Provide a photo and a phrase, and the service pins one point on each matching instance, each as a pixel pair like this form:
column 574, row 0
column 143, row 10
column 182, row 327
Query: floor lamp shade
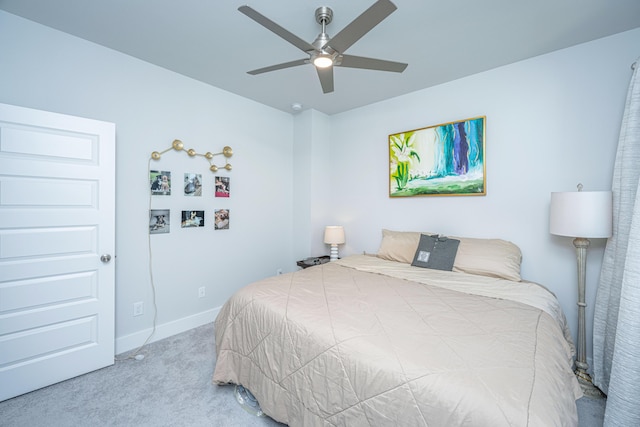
column 581, row 214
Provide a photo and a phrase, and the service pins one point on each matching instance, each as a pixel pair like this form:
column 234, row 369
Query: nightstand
column 310, row 262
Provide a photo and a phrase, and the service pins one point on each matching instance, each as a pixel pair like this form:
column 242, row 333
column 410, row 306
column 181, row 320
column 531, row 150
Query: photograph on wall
column 192, row 219
column 221, row 219
column 442, row 160
column 159, row 221
column 192, row 184
column 160, row 182
column 222, row 186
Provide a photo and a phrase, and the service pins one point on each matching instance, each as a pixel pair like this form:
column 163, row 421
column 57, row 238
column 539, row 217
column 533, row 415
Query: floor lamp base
column 588, row 389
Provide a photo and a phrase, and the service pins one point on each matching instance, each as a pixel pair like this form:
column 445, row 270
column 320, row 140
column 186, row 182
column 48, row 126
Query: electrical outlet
column 201, row 292
column 138, row 308
column 278, row 271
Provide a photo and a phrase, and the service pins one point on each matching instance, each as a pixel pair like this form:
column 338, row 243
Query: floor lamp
column 582, row 215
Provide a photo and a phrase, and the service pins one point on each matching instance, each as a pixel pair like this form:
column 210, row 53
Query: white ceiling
column 210, row 41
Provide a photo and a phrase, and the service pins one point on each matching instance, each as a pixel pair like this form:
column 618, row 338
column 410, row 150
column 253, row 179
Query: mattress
column 369, row 342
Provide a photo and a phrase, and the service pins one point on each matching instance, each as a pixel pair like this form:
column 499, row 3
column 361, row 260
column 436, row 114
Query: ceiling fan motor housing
column 324, row 16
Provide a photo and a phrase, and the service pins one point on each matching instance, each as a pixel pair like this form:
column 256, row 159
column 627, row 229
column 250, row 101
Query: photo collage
column 161, row 185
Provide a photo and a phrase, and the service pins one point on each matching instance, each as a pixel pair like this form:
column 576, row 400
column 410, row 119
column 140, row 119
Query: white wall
column 552, row 121
column 45, row 69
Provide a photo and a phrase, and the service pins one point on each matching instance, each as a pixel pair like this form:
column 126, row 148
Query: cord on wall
column 136, row 354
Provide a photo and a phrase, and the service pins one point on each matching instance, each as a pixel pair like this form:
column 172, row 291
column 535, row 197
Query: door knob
column 105, row 258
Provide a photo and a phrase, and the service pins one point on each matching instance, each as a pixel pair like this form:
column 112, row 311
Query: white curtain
column 616, row 328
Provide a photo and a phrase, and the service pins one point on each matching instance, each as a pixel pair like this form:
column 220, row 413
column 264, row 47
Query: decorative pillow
column 485, row 257
column 488, row 257
column 437, row 252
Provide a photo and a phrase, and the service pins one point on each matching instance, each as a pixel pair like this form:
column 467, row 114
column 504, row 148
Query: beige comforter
column 368, row 342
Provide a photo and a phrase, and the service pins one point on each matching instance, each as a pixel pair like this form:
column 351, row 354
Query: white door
column 57, row 220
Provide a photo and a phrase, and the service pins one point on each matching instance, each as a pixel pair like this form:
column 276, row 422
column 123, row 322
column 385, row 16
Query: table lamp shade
column 334, row 235
column 585, row 214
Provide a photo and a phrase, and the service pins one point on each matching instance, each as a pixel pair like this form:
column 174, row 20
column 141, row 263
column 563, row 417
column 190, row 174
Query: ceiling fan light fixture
column 322, row 61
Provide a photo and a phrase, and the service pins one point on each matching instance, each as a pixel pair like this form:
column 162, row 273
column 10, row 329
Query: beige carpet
column 171, row 386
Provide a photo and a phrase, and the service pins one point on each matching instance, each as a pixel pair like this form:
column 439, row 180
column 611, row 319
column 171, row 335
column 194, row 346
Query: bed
column 372, row 340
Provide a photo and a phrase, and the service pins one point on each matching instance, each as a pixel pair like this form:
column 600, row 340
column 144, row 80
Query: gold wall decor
column 179, row 146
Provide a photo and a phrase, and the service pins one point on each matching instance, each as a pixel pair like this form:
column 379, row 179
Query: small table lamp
column 583, row 215
column 334, row 236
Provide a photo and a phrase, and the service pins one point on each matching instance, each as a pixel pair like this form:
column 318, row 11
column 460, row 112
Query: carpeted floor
column 171, row 386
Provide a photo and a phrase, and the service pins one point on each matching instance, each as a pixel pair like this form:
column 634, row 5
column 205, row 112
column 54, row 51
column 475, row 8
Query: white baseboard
column 135, row 340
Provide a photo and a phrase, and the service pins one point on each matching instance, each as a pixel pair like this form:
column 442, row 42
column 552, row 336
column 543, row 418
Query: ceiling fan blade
column 279, row 66
column 361, row 25
column 326, row 78
column 272, row 26
column 351, row 61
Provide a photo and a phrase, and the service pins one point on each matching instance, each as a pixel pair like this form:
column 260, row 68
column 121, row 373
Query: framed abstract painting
column 442, row 160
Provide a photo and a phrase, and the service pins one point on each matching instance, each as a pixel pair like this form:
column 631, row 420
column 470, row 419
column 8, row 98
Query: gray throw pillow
column 437, row 252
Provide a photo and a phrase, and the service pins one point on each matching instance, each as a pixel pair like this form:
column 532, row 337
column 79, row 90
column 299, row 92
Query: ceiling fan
column 327, row 52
